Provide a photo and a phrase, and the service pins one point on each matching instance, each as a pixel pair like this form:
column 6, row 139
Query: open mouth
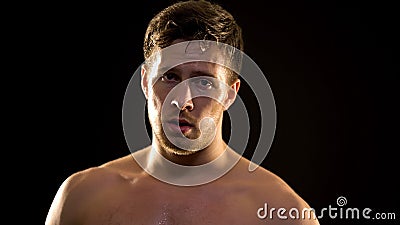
column 184, row 126
column 184, row 123
column 181, row 125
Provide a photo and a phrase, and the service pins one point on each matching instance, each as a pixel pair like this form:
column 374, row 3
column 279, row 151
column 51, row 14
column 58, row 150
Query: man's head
column 173, row 104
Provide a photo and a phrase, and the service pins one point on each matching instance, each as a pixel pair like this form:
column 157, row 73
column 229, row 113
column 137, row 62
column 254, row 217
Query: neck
column 203, row 167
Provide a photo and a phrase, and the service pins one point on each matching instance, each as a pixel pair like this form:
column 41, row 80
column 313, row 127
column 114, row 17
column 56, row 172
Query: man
column 188, row 175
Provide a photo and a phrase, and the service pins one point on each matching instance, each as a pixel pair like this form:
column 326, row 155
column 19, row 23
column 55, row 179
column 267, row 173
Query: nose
column 183, row 98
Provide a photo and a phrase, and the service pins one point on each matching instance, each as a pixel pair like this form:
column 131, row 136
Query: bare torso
column 145, row 200
column 120, row 192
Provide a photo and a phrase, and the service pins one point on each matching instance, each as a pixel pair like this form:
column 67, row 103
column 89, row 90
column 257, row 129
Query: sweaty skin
column 121, row 192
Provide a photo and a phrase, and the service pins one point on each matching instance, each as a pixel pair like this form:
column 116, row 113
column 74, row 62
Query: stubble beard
column 167, row 146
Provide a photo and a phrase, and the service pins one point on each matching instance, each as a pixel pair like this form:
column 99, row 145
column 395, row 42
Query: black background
column 331, row 67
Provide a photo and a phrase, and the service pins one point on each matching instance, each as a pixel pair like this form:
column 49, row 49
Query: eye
column 204, row 83
column 170, row 77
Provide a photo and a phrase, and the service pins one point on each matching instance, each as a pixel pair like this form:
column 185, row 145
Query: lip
column 181, row 125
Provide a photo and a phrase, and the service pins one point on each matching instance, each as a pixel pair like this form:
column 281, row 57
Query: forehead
column 198, row 68
column 195, row 54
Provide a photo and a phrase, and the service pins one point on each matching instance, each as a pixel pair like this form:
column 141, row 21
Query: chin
column 190, row 148
column 181, row 152
column 171, row 148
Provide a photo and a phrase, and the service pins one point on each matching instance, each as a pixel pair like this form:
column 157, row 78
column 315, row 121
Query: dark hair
column 192, row 20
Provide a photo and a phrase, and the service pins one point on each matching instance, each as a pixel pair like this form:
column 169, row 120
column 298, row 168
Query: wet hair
column 192, row 20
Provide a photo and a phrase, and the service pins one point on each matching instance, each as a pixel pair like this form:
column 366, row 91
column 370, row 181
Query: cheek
column 210, row 107
column 217, row 110
column 155, row 102
column 154, row 107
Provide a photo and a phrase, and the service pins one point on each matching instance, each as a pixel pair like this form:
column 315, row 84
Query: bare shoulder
column 267, row 184
column 269, row 192
column 80, row 190
column 109, row 173
column 280, row 190
column 103, row 176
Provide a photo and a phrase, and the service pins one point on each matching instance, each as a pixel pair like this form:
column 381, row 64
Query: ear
column 231, row 94
column 144, row 81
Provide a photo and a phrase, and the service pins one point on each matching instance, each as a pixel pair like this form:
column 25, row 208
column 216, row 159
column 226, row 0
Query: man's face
column 182, row 98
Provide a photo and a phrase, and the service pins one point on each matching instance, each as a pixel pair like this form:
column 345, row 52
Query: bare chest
column 172, row 208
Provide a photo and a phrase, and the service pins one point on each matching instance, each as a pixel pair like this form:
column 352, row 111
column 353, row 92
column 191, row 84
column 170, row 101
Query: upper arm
column 66, row 205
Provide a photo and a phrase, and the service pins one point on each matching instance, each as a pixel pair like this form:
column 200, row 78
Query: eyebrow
column 202, row 73
column 196, row 73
